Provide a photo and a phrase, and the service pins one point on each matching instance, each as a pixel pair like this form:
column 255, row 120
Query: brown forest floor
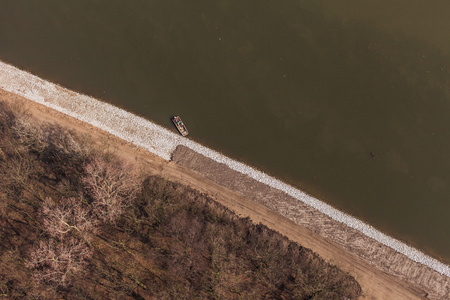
column 375, row 284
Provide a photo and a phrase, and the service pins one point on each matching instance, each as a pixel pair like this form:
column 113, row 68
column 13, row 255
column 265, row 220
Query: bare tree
column 28, row 135
column 57, row 262
column 113, row 186
column 65, row 255
column 19, row 174
column 67, row 216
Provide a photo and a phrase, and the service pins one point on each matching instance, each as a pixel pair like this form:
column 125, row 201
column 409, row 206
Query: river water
column 347, row 100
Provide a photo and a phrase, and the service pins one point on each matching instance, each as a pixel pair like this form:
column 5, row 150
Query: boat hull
column 180, row 125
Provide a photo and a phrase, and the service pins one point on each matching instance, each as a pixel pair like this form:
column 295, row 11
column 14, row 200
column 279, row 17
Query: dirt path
column 375, row 283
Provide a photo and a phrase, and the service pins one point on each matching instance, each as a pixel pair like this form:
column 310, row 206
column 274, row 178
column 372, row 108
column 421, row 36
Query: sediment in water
column 163, row 143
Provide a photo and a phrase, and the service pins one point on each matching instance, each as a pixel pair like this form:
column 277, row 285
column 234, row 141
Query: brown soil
column 381, row 272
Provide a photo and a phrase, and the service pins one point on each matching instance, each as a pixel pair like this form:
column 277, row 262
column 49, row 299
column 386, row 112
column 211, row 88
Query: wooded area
column 77, row 223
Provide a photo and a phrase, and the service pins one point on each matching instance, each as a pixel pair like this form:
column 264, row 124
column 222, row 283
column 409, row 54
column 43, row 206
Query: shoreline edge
column 162, row 142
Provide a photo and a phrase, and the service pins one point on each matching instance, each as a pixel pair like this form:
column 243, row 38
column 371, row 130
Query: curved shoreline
column 163, row 143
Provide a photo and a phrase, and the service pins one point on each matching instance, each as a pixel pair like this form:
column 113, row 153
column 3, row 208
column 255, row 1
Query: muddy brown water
column 347, row 100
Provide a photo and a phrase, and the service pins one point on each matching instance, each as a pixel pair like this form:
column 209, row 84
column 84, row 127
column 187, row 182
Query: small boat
column 180, row 125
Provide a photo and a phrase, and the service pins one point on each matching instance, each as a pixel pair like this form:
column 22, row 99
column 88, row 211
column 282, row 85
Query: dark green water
column 304, row 90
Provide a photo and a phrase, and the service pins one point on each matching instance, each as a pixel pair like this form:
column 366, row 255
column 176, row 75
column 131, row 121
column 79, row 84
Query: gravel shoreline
column 163, row 143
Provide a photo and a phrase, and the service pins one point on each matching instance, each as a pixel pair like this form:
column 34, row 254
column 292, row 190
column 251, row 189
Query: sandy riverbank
column 345, row 246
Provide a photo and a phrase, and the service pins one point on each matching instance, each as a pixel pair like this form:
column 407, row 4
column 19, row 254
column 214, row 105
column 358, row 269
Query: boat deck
column 180, row 125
